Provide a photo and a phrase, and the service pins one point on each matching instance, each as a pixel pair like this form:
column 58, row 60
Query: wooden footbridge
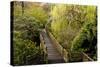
column 55, row 53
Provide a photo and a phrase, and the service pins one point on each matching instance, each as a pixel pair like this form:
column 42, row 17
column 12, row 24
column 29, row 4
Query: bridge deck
column 53, row 54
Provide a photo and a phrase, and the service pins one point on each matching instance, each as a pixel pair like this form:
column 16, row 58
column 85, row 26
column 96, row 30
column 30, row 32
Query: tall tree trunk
column 22, row 7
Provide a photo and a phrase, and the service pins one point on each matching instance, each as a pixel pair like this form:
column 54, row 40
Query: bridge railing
column 86, row 57
column 43, row 48
column 78, row 57
column 65, row 54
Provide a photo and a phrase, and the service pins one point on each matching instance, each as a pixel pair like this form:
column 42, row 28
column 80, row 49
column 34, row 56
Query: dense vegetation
column 27, row 23
column 73, row 26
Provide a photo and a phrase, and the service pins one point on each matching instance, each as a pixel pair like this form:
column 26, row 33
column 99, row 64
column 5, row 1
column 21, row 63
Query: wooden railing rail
column 86, row 57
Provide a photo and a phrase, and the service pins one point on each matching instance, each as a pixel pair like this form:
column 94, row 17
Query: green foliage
column 26, row 42
column 86, row 40
column 32, row 10
column 38, row 13
column 59, row 23
column 25, row 51
column 88, row 33
column 75, row 27
column 29, row 27
column 26, row 39
column 67, row 21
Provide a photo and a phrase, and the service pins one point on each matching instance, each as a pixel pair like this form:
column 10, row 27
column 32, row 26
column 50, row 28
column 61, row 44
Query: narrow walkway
column 53, row 54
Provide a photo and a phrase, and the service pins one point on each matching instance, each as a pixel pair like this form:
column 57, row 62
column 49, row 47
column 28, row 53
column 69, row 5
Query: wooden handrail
column 85, row 55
